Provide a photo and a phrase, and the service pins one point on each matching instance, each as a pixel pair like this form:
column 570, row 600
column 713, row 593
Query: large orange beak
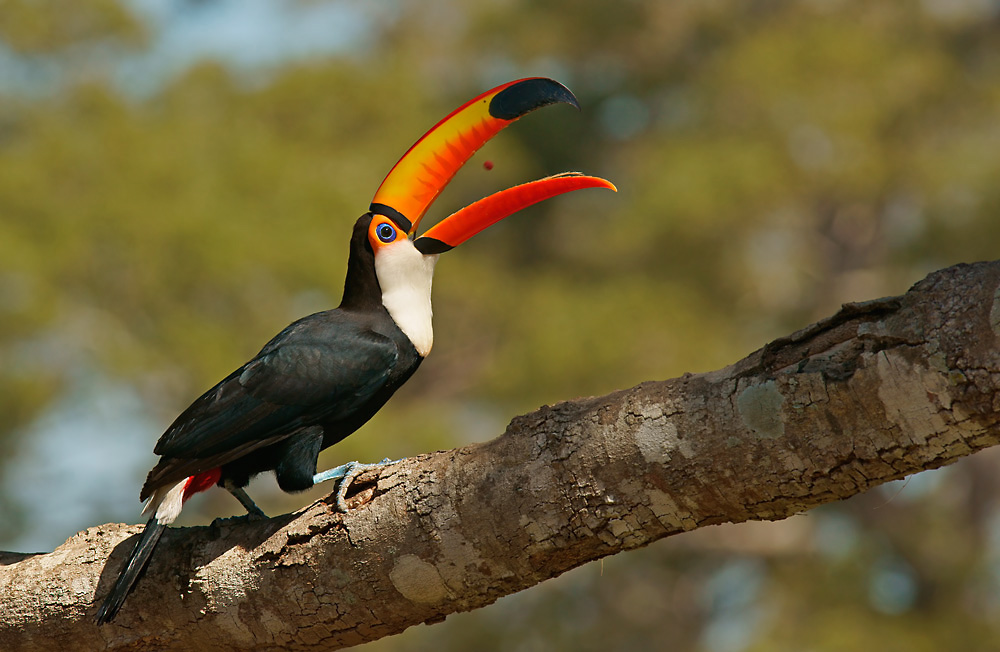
column 462, row 225
column 426, row 168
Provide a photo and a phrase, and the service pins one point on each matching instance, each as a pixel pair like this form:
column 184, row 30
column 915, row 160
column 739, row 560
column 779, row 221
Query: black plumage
column 314, row 383
column 326, row 375
column 334, row 369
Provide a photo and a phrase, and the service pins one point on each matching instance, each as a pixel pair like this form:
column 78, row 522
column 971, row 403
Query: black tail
column 137, row 562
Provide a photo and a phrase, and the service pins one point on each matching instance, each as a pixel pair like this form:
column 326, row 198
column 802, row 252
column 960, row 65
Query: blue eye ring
column 385, row 232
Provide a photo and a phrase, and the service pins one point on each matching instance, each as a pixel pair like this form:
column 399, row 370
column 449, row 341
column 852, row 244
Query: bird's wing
column 295, row 381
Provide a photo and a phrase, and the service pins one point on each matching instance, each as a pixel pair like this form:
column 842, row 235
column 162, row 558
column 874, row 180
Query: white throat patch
column 405, row 275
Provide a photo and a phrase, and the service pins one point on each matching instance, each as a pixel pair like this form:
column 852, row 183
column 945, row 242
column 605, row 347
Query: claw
column 346, row 473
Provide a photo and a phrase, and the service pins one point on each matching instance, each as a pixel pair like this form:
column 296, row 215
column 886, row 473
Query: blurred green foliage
column 774, row 160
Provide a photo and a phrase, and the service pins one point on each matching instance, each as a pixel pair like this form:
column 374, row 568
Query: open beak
column 430, row 164
column 462, row 225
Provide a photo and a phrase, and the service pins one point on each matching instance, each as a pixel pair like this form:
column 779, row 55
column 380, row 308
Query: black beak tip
column 514, row 101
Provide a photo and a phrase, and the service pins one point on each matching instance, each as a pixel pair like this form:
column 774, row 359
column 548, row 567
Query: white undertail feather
column 405, row 276
column 166, row 502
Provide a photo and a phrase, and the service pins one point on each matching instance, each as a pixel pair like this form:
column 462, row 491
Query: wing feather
column 303, row 376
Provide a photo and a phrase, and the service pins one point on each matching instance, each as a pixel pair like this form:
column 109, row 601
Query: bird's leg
column 253, row 512
column 346, row 473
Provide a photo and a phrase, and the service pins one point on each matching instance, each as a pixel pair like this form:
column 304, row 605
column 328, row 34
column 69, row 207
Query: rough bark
column 878, row 391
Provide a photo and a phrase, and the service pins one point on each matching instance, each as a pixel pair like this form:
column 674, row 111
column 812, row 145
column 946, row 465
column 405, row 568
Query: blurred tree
column 30, row 27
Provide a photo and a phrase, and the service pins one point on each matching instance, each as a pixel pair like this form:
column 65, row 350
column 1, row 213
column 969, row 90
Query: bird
column 326, row 374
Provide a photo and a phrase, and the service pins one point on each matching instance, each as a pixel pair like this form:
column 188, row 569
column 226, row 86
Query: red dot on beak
column 487, row 165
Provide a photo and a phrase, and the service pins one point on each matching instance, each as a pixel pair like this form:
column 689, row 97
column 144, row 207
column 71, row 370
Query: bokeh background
column 178, row 180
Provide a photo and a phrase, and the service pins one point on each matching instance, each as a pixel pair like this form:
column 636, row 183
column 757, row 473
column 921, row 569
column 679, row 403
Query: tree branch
column 880, row 390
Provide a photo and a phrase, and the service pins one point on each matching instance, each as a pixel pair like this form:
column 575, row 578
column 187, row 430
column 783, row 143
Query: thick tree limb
column 880, row 390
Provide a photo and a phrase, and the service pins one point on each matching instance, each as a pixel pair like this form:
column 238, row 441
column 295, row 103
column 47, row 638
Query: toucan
column 325, row 375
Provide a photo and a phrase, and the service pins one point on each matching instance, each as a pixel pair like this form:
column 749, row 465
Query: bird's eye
column 385, row 232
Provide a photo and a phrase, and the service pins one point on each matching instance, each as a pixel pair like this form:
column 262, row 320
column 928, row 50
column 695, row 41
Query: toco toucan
column 325, row 375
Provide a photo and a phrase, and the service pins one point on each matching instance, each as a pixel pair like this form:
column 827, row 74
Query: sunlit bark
column 878, row 391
